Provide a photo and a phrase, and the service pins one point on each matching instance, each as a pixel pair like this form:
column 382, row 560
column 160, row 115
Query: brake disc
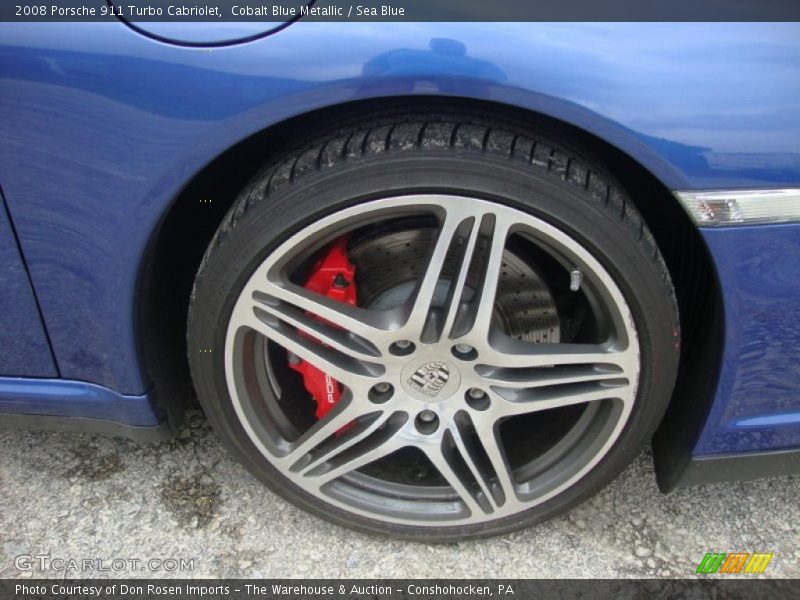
column 388, row 265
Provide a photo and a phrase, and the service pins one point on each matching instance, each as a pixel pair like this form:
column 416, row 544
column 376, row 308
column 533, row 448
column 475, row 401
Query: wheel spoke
column 335, row 337
column 483, row 479
column 482, row 309
column 480, row 450
column 509, row 353
column 370, row 443
column 420, row 312
column 509, row 402
column 342, row 367
column 347, row 410
column 488, row 437
column 534, row 377
column 343, row 438
column 456, row 293
column 450, row 463
column 362, row 323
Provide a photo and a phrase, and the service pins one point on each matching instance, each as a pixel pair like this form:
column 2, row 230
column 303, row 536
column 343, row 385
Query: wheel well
column 178, row 244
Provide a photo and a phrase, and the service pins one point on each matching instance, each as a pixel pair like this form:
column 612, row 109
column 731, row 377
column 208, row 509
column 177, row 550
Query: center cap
column 430, row 379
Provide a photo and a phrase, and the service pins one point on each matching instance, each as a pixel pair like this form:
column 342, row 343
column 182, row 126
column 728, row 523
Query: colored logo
column 430, row 378
column 734, row 562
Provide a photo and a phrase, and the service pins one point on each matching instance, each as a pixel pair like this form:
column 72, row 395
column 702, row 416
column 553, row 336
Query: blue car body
column 103, row 128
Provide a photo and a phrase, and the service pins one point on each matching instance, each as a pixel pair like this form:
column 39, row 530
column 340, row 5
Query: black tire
column 512, row 163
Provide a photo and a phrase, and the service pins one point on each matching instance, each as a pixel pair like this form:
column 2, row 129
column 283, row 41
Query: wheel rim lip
column 330, row 226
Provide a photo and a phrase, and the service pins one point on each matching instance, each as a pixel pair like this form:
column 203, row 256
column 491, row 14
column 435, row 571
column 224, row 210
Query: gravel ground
column 80, row 496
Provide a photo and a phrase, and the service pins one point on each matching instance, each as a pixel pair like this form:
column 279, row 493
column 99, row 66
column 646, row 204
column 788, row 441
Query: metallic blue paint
column 24, row 350
column 788, row 418
column 64, row 398
column 102, row 128
column 757, row 404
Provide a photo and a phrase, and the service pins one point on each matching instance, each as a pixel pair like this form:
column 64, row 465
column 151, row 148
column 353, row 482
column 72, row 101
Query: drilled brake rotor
column 388, row 265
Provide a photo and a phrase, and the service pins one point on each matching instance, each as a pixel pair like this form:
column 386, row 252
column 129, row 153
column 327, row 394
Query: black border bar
column 733, row 588
column 277, row 11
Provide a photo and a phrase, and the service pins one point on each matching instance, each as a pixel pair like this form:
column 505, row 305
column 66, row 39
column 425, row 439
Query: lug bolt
column 427, row 422
column 464, row 351
column 380, row 392
column 402, row 348
column 477, row 398
column 427, row 416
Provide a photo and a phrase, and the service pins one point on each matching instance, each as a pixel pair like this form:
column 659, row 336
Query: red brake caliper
column 332, row 276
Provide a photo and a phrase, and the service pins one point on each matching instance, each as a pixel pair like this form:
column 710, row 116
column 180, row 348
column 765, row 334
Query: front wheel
column 437, row 328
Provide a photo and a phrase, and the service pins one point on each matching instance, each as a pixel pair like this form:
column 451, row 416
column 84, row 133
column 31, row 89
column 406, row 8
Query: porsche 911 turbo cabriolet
column 431, row 280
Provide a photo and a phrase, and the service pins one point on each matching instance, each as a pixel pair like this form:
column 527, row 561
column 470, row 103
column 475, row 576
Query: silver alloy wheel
column 443, row 402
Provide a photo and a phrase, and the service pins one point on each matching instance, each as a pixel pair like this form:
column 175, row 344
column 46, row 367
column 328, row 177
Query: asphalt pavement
column 188, row 506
